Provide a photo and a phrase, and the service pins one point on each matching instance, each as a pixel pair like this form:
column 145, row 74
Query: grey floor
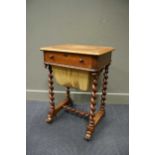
column 65, row 135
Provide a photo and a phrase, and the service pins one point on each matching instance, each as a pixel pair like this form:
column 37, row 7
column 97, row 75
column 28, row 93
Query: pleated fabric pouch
column 72, row 78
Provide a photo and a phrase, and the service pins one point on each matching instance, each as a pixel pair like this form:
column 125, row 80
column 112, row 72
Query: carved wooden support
column 76, row 111
column 60, row 105
column 68, row 93
column 94, row 118
column 98, row 116
column 51, row 95
column 68, row 96
column 104, row 88
column 91, row 124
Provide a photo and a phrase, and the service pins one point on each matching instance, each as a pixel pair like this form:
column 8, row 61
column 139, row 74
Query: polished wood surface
column 58, row 108
column 79, row 49
column 91, row 125
column 98, row 116
column 51, row 112
column 104, row 87
column 76, row 111
column 94, row 59
column 68, row 60
column 77, row 61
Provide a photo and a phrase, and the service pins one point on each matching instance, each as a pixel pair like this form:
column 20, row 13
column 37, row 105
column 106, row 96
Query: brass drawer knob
column 81, row 60
column 51, row 56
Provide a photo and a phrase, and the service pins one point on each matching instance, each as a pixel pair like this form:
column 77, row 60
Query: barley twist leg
column 51, row 96
column 91, row 124
column 104, row 87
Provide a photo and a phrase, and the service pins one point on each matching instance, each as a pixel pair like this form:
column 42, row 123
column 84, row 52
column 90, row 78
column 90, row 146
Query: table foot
column 49, row 119
column 58, row 107
column 88, row 137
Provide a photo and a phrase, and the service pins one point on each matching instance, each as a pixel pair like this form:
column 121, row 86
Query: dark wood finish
column 51, row 96
column 104, row 88
column 76, row 111
column 61, row 105
column 68, row 96
column 77, row 61
column 103, row 60
column 98, row 116
column 91, row 124
column 68, row 93
column 58, row 107
column 88, row 58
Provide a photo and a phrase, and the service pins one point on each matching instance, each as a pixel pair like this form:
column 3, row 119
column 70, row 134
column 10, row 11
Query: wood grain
column 78, row 49
column 77, row 61
column 60, row 105
column 98, row 116
column 51, row 112
column 80, row 58
column 104, row 87
column 76, row 111
column 91, row 125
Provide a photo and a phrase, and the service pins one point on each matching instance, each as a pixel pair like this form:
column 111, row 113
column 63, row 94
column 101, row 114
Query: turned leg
column 104, row 88
column 51, row 112
column 68, row 96
column 68, row 93
column 91, row 124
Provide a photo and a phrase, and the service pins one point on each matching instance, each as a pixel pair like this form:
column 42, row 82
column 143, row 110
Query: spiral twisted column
column 51, row 95
column 68, row 92
column 91, row 124
column 68, row 96
column 76, row 111
column 104, row 87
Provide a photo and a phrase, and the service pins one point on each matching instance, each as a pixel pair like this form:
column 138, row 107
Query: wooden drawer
column 77, row 61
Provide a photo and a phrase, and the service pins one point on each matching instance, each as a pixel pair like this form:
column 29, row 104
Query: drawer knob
column 51, row 56
column 81, row 60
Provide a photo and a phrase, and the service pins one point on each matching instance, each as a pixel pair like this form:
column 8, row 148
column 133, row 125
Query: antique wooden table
column 79, row 58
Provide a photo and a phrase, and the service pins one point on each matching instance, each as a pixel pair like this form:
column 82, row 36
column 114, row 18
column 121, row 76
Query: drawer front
column 72, row 60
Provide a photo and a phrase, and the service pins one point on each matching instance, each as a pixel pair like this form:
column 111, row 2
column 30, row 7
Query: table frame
column 67, row 104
